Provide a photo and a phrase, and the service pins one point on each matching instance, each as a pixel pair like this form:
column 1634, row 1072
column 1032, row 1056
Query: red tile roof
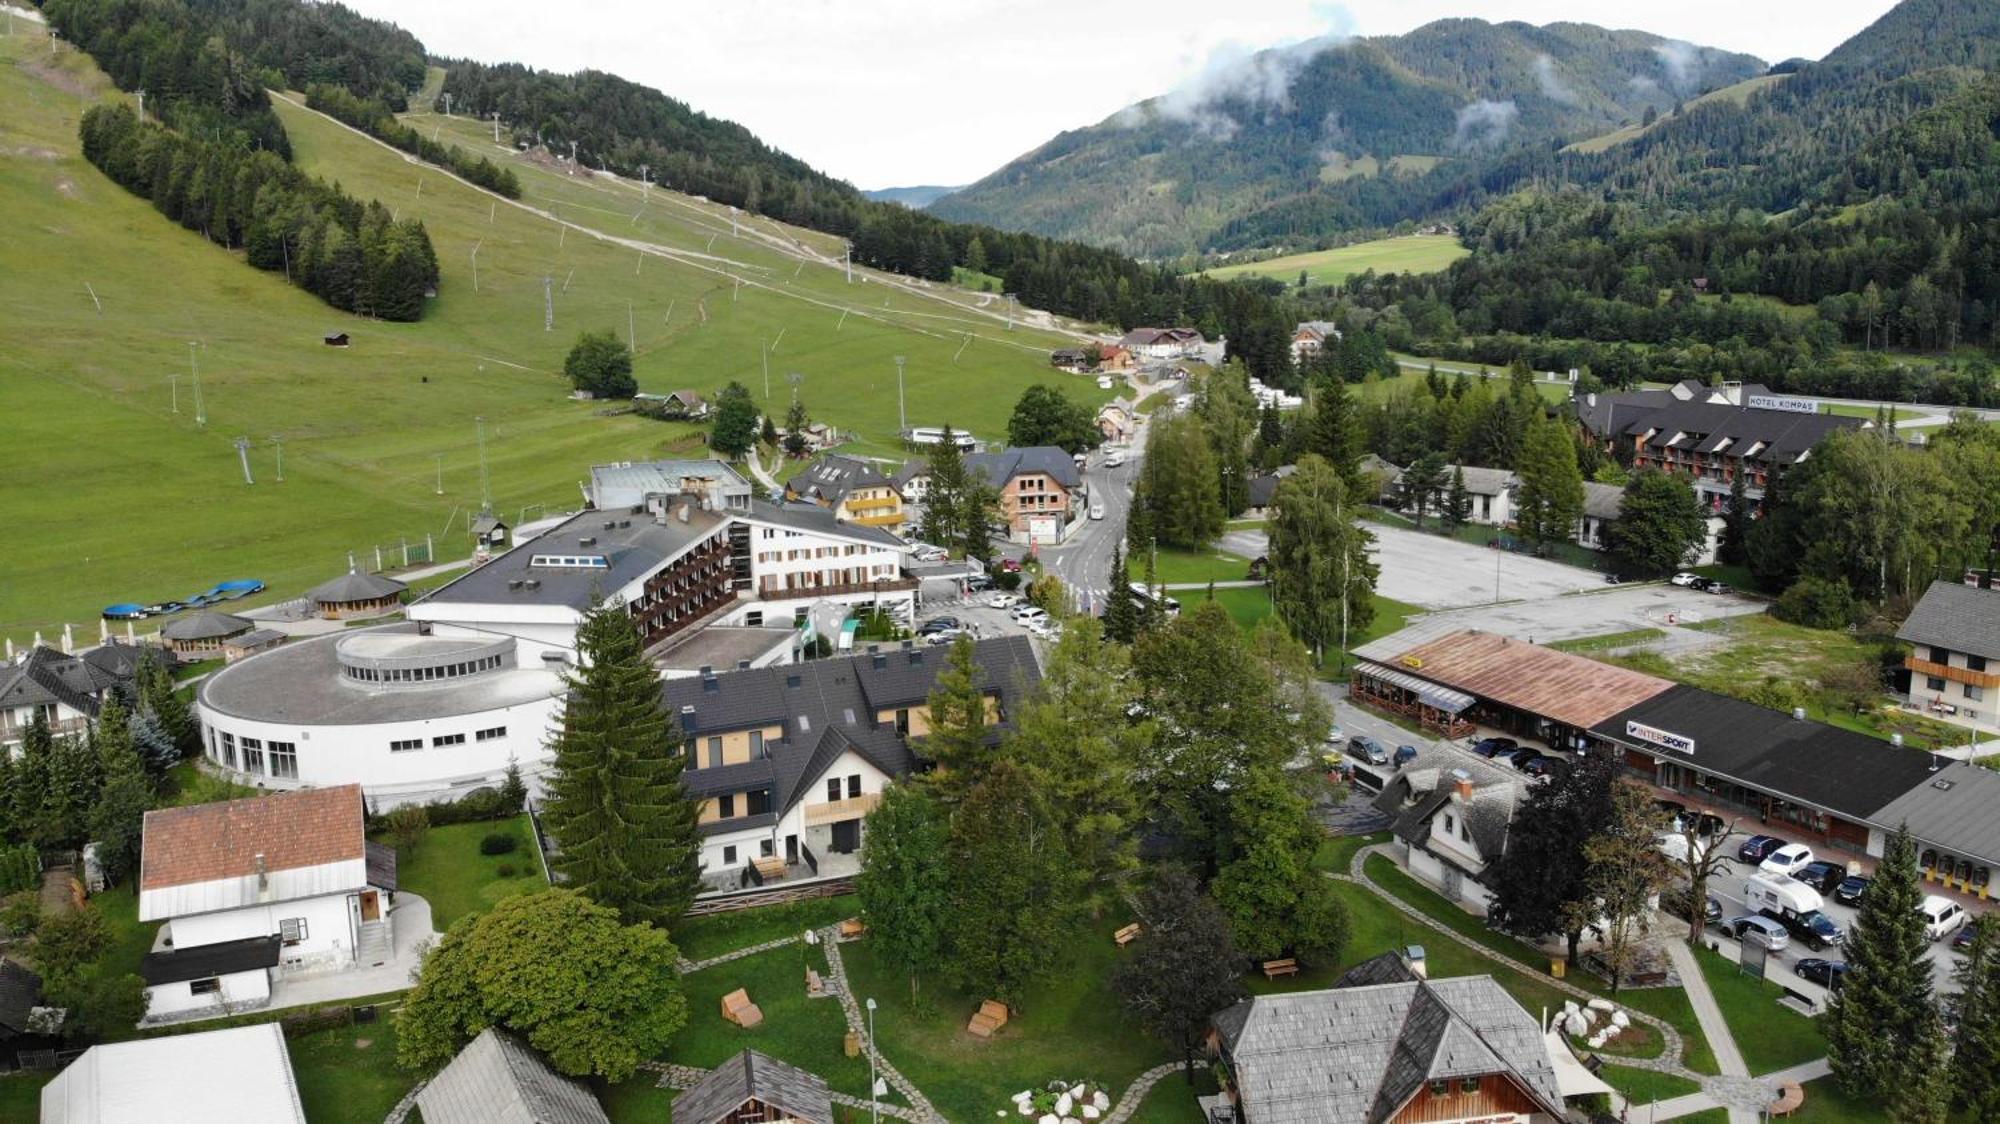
column 1571, row 689
column 206, row 842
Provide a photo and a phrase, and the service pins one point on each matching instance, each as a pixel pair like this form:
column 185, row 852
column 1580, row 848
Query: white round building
column 409, row 717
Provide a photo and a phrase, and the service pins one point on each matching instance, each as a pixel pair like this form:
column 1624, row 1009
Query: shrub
column 1008, row 580
column 504, row 870
column 499, row 843
column 407, row 825
column 1818, row 603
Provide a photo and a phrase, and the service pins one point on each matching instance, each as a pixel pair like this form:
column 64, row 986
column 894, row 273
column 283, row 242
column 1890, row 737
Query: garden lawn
column 447, row 870
column 1190, row 567
column 1390, row 616
column 1671, row 1006
column 1336, row 854
column 700, row 938
column 1246, row 606
column 1608, row 640
column 1172, row 1100
column 636, row 1100
column 809, row 1033
column 1643, row 1086
column 21, row 1095
column 1826, row 1103
column 1771, row 1037
column 188, row 784
column 348, row 1075
column 1072, row 1027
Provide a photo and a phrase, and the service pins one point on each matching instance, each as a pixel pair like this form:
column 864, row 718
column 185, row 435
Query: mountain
column 1168, row 175
column 917, row 197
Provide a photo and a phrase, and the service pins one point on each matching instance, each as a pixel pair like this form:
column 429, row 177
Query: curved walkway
column 1135, row 1093
column 921, row 1107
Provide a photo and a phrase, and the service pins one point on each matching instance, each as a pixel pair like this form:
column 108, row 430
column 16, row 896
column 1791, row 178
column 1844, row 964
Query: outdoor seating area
column 991, row 1017
column 1126, row 935
column 1275, row 968
column 1791, row 1098
column 737, row 1008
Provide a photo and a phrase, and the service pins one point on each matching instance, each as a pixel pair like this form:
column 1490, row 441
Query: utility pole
column 447, row 105
column 174, row 389
column 548, row 303
column 278, row 439
column 572, row 158
column 243, row 454
column 848, row 257
column 645, row 185
column 485, row 492
column 902, row 415
column 200, row 414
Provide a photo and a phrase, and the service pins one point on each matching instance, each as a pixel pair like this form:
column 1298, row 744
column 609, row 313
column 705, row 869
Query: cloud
column 1684, row 64
column 1234, row 74
column 1643, row 84
column 1484, row 123
column 1553, row 87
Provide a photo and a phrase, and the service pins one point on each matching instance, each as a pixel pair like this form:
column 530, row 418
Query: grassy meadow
column 130, row 500
column 1409, row 253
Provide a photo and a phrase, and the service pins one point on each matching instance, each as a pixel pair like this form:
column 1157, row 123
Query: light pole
column 902, row 415
column 874, row 1104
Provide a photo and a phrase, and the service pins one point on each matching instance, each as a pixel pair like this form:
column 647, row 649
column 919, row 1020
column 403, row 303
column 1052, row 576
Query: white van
column 1780, row 892
column 1942, row 916
column 1114, row 459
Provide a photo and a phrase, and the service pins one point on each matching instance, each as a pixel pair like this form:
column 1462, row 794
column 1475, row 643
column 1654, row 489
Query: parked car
column 1829, row 974
column 1813, row 927
column 1011, row 565
column 1822, row 875
column 1684, row 578
column 979, row 583
column 1404, row 755
column 1716, row 587
column 1613, row 579
column 925, row 552
column 938, row 624
column 1758, row 930
column 1097, row 511
column 1114, row 459
column 1023, row 613
column 1702, row 585
column 1757, row 848
column 1850, row 890
column 1674, row 901
column 1788, row 859
column 1518, row 758
column 1942, row 916
column 1543, row 766
column 1369, row 750
column 1963, row 940
column 1492, row 747
column 942, row 636
column 1002, row 601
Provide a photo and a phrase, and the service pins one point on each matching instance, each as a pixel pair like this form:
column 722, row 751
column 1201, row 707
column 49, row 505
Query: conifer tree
column 1015, row 892
column 957, row 738
column 1550, row 499
column 905, row 882
column 1121, row 612
column 1976, row 1066
column 158, row 698
column 116, row 819
column 944, row 497
column 1886, row 996
column 1335, row 432
column 621, row 816
column 1457, row 506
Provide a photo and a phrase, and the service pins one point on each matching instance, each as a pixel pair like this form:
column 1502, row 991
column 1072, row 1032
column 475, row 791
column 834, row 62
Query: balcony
column 1951, row 674
column 852, row 808
column 808, row 593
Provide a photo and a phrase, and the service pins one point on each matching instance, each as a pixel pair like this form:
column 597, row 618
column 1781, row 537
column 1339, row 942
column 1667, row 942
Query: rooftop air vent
column 916, row 657
column 707, row 671
column 611, row 524
column 532, row 583
column 515, row 583
column 879, row 660
column 587, row 540
column 743, row 665
column 1943, row 786
column 792, row 681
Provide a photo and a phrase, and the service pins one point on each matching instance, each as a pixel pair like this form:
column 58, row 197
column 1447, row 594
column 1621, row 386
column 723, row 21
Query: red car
column 1011, row 565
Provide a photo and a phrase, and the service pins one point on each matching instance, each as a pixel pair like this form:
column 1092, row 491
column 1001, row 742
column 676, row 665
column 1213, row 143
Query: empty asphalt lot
column 1440, row 573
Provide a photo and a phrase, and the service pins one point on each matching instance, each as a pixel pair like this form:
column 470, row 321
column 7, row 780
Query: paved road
column 1084, row 562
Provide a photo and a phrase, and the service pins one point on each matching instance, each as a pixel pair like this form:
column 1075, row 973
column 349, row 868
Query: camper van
column 1779, row 892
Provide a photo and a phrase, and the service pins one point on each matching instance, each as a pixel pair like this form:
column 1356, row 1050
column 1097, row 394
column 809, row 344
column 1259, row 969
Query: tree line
column 354, row 256
column 374, row 117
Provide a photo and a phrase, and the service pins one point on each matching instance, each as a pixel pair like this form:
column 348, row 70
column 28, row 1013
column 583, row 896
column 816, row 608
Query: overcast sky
column 896, row 92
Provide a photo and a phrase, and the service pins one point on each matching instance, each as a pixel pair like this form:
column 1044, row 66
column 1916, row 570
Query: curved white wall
column 360, row 754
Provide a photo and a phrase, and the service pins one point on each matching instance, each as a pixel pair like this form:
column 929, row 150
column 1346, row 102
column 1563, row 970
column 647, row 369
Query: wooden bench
column 1275, row 968
column 737, row 1008
column 815, row 987
column 992, row 1015
column 770, row 867
column 1791, row 1097
column 852, row 928
column 1126, row 935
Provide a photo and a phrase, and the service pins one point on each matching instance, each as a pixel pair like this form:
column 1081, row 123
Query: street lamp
column 874, row 1104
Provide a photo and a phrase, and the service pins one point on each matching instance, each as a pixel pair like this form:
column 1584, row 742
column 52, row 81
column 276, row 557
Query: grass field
column 1771, row 1037
column 1644, row 1086
column 699, row 938
column 1738, row 94
column 448, row 871
column 348, row 1075
column 153, row 506
column 1409, row 253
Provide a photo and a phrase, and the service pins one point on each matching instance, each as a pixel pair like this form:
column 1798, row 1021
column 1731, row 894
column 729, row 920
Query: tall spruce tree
column 944, row 497
column 1015, row 892
column 1886, row 997
column 957, row 742
column 1121, row 612
column 1734, row 548
column 1335, row 432
column 1456, row 506
column 1976, row 1067
column 116, row 819
column 621, row 816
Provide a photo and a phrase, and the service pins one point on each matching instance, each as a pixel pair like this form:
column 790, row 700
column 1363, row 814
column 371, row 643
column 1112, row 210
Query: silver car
column 1751, row 929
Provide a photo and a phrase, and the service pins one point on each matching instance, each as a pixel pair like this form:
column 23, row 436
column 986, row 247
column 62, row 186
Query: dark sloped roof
column 817, row 520
column 1962, row 618
column 800, row 1094
column 202, row 961
column 206, row 625
column 381, row 862
column 118, row 661
column 999, row 468
column 632, row 547
column 1779, row 436
column 826, row 707
column 499, row 1079
column 1802, row 760
column 43, row 676
column 1602, row 501
column 20, row 994
column 354, row 586
column 1953, row 809
column 1382, row 968
column 832, row 476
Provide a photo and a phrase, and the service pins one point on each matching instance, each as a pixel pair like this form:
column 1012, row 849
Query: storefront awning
column 1442, row 698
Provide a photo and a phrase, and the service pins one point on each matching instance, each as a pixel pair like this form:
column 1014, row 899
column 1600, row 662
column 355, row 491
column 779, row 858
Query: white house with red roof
column 251, row 889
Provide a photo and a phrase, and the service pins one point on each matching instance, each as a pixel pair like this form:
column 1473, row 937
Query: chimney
column 1461, row 784
column 877, row 659
column 1418, row 966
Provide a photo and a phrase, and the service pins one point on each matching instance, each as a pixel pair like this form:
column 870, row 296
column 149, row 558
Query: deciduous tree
column 1541, row 882
column 616, row 805
column 735, row 427
column 1184, row 967
column 596, row 996
column 1044, row 415
column 600, row 363
column 796, row 423
column 1322, row 578
column 905, row 882
column 1626, row 871
column 1275, row 901
column 1661, row 526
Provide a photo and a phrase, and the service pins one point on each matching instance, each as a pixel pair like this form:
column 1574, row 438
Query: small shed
column 754, row 1086
column 355, row 594
column 499, row 1079
column 335, row 339
column 489, row 530
column 201, row 635
column 251, row 643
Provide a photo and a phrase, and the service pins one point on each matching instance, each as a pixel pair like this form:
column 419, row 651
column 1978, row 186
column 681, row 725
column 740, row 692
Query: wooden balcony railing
column 1952, row 674
column 834, row 811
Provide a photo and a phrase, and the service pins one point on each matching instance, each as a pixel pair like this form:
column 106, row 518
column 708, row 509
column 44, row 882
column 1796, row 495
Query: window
column 729, row 856
column 1450, row 824
column 1974, row 693
column 754, row 620
column 209, row 986
column 1940, row 655
column 405, row 745
column 1975, row 663
column 726, row 806
column 693, row 754
column 1464, row 831
column 1468, row 1085
column 854, row 786
column 833, row 788
column 292, row 930
column 757, row 751
column 757, row 802
column 253, row 755
column 1931, row 681
column 1440, row 1088
column 448, row 739
column 714, row 752
column 284, row 760
column 903, row 722
column 491, row 734
column 229, row 750
column 766, row 848
column 213, row 752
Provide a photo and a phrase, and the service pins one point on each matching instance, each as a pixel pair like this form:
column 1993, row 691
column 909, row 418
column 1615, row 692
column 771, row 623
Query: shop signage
column 1781, row 402
column 1665, row 739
